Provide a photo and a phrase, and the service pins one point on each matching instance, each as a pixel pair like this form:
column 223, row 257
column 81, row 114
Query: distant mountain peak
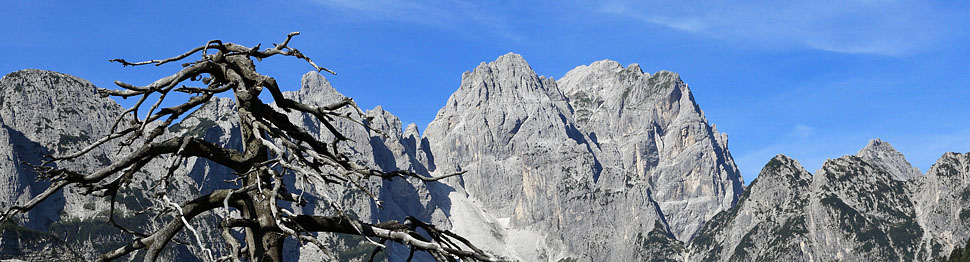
column 316, row 89
column 877, row 145
column 786, row 169
column 882, row 154
column 511, row 58
column 606, row 64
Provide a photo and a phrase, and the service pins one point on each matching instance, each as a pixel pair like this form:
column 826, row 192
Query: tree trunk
column 265, row 243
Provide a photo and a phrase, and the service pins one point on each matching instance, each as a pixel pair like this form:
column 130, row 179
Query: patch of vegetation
column 68, row 110
column 197, row 130
column 794, row 226
column 354, row 248
column 705, row 237
column 658, row 245
column 965, row 215
column 103, row 159
column 17, row 242
column 959, row 254
column 747, row 243
column 99, row 230
column 66, row 141
column 96, row 230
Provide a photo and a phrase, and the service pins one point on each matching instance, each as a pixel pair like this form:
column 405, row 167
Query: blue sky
column 811, row 80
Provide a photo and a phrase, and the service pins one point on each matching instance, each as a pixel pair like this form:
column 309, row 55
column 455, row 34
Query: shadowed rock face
column 872, row 206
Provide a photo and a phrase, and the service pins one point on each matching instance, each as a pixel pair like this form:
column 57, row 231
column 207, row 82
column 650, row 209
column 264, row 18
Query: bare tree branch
column 273, row 148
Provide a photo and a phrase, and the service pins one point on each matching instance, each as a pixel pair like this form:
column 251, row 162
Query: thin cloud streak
column 889, row 28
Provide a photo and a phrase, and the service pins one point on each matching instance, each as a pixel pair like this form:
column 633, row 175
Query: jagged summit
column 602, row 65
column 54, row 109
column 647, row 126
column 767, row 224
column 412, row 131
column 608, row 66
column 785, row 162
column 498, row 104
column 316, row 88
column 883, row 154
column 853, row 209
column 510, row 59
column 604, row 143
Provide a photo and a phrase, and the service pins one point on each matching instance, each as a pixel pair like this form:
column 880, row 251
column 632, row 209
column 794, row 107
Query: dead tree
column 273, row 148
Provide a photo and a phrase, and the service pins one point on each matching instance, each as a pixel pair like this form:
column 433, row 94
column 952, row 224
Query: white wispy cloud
column 892, row 28
column 801, row 131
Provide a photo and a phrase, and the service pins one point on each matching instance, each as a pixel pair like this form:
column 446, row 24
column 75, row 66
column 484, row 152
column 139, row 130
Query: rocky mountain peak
column 951, row 164
column 52, row 108
column 768, row 220
column 510, row 60
column 501, row 111
column 782, row 167
column 315, row 88
column 384, row 121
column 411, row 131
column 604, row 65
column 508, row 77
column 782, row 180
column 882, row 154
column 644, row 124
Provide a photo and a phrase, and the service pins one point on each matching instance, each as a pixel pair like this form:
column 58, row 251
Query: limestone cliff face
column 527, row 162
column 20, row 182
column 47, row 113
column 60, row 114
column 650, row 130
column 514, row 130
column 591, row 163
column 942, row 199
column 871, row 206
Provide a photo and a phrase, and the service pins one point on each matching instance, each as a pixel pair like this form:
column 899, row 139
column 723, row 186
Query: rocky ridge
column 527, row 118
column 858, row 207
column 607, row 163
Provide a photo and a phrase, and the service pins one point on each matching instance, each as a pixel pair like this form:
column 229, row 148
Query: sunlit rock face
column 591, row 163
column 650, row 130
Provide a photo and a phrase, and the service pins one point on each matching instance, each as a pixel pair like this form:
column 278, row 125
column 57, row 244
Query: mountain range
column 607, row 163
